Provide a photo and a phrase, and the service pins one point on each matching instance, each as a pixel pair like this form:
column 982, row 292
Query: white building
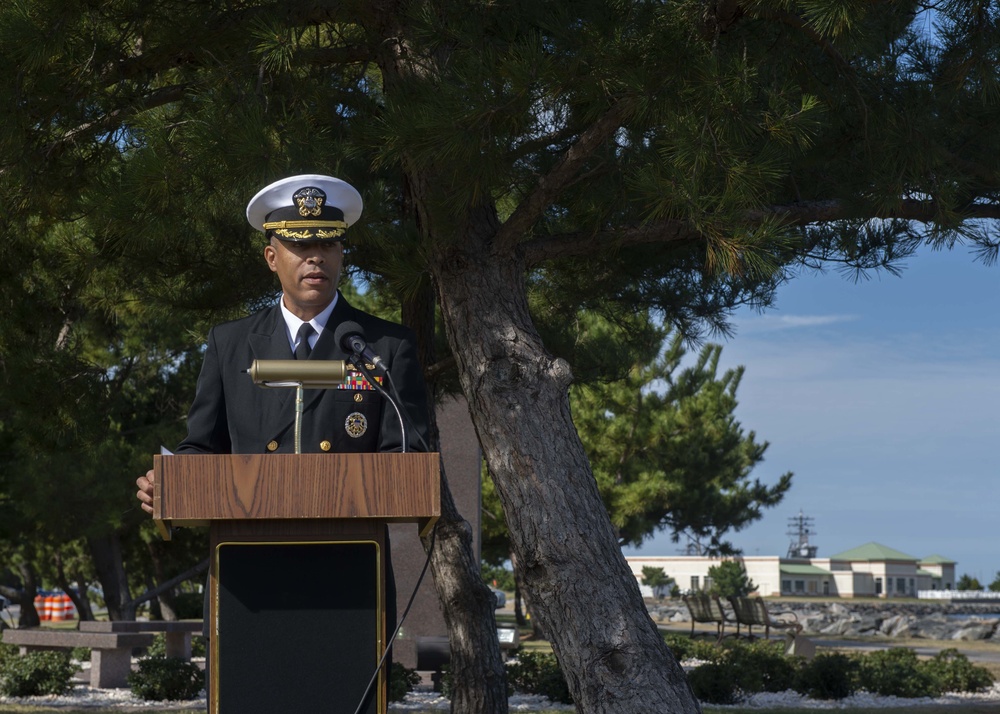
column 870, row 570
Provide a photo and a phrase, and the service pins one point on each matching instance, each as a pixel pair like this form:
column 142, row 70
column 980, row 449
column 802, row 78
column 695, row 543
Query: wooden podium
column 297, row 592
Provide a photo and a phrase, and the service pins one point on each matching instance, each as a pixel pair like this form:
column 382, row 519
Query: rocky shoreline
column 932, row 621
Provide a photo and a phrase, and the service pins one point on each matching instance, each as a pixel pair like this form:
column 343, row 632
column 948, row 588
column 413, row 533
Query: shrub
column 760, row 665
column 685, row 647
column 537, row 673
column 953, row 672
column 35, row 674
column 6, row 651
column 159, row 646
column 830, row 675
column 401, row 681
column 896, row 672
column 715, row 683
column 165, row 678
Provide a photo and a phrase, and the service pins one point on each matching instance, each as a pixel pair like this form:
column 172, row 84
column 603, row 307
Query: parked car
column 4, row 603
column 501, row 597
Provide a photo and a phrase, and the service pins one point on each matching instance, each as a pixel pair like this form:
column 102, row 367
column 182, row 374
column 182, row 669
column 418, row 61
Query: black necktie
column 303, row 349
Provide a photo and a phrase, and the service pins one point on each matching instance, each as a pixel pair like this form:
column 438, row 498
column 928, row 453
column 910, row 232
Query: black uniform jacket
column 231, row 414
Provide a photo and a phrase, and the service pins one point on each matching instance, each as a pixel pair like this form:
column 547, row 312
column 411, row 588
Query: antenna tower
column 799, row 529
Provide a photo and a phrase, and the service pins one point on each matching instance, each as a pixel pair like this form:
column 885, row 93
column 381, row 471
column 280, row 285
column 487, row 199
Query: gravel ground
column 83, row 697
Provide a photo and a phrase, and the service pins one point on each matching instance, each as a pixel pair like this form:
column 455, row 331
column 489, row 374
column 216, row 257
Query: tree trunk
column 29, row 615
column 573, row 570
column 164, row 601
column 107, row 554
column 479, row 681
column 78, row 596
column 476, row 667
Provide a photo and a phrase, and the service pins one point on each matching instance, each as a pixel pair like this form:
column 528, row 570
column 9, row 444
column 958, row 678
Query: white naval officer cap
column 307, row 208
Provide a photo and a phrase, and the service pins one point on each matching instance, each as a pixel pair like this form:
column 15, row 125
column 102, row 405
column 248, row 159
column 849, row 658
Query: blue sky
column 881, row 396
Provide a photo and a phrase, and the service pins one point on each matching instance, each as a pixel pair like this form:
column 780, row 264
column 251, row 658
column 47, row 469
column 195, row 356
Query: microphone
column 351, row 336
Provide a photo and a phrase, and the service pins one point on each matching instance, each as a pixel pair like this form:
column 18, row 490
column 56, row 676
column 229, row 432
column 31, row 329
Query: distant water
column 977, row 616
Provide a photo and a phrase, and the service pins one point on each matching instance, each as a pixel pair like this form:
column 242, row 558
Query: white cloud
column 774, row 323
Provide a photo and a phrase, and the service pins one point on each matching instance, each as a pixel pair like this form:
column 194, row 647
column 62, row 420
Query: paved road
column 988, row 654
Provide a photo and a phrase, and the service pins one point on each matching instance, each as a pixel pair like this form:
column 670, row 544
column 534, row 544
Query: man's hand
column 145, row 493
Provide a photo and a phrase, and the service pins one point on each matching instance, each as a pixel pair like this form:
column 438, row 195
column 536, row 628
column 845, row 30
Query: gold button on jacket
column 272, row 445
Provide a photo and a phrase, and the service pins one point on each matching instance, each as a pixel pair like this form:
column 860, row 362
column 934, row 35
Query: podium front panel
column 298, row 627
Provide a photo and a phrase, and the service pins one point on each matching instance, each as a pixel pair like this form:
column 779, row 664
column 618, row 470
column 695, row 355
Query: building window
column 786, row 586
column 694, row 583
column 901, row 586
column 878, row 586
column 800, row 586
column 826, row 587
column 913, row 587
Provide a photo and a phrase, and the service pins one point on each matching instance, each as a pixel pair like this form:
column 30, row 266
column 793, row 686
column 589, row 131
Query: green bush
column 685, row 647
column 166, row 678
column 953, row 672
column 6, row 651
column 401, row 681
column 760, row 665
column 896, row 672
column 830, row 675
column 537, row 673
column 159, row 646
column 35, row 674
column 715, row 683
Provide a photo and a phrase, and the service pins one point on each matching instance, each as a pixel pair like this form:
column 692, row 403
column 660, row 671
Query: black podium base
column 298, row 627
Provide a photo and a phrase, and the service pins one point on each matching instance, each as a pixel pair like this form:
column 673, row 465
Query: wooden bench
column 110, row 652
column 752, row 611
column 110, row 643
column 708, row 608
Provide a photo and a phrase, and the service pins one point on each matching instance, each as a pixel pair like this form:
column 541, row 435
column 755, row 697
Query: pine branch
column 565, row 171
column 156, row 98
column 569, row 245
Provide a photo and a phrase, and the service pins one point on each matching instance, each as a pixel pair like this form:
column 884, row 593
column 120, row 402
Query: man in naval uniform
column 304, row 219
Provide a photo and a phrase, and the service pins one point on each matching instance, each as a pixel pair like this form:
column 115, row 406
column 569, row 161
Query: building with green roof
column 869, row 570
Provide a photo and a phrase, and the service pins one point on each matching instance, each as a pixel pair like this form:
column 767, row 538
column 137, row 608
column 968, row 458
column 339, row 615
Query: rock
column 975, row 630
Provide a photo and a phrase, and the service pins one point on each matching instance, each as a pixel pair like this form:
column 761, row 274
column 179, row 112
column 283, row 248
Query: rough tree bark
column 579, row 583
column 476, row 666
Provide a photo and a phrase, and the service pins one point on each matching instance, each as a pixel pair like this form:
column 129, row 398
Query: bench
column 110, row 652
column 751, row 611
column 110, row 643
column 708, row 608
column 178, row 633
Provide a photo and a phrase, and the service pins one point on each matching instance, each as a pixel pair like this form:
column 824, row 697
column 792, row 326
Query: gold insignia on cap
column 325, row 445
column 272, row 445
column 356, row 425
column 309, row 201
